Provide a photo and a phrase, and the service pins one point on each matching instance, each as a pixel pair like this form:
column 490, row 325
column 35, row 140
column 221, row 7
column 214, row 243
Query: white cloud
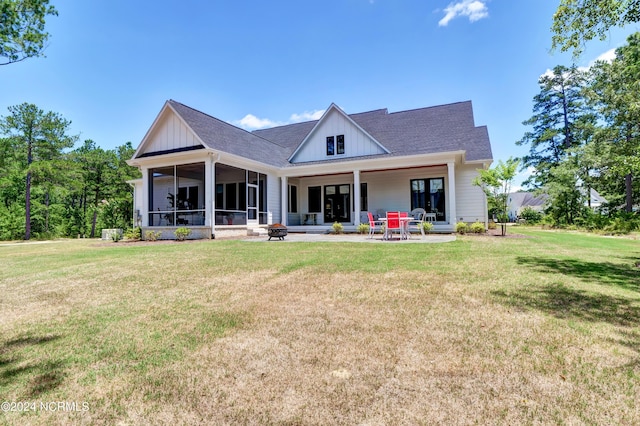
column 306, row 116
column 473, row 9
column 251, row 122
column 607, row 56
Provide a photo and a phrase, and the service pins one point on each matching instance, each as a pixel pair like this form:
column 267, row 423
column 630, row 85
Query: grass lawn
column 483, row 330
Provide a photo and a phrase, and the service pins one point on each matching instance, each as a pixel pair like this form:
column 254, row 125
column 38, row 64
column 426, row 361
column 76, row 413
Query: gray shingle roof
column 224, row 137
column 429, row 130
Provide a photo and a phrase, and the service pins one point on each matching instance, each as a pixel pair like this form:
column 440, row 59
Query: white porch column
column 145, row 196
column 356, row 197
column 284, row 200
column 210, row 190
column 453, row 218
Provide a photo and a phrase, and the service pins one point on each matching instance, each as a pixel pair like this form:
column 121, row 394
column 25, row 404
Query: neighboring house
column 211, row 176
column 519, row 200
column 597, row 200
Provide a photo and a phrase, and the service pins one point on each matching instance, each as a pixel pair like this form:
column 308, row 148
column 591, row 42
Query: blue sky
column 111, row 65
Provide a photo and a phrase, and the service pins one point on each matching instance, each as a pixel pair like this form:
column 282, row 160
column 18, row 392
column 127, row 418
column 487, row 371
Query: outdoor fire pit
column 277, row 230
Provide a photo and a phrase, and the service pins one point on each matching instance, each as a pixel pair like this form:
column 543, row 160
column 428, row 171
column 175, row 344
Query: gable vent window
column 340, row 144
column 331, row 147
column 335, row 145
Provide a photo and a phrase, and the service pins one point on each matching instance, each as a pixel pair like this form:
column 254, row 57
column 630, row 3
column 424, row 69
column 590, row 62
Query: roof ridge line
column 431, row 107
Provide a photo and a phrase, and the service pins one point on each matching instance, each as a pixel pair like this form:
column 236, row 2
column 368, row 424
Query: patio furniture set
column 400, row 222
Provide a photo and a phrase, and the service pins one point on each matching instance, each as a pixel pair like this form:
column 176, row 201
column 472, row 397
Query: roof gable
column 220, row 136
column 168, row 133
column 333, row 123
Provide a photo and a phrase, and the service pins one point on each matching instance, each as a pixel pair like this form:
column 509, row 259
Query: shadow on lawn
column 40, row 375
column 565, row 302
column 605, row 273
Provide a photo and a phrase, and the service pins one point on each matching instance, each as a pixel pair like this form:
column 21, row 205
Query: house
column 215, row 178
column 521, row 199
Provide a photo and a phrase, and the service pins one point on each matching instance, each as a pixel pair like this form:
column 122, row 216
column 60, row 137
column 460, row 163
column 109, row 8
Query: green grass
column 542, row 329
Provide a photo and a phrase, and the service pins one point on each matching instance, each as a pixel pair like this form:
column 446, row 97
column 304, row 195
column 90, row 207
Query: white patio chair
column 418, row 215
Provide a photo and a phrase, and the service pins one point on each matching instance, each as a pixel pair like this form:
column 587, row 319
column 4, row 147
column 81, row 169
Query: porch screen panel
column 161, row 190
column 262, row 199
column 190, row 190
column 176, row 195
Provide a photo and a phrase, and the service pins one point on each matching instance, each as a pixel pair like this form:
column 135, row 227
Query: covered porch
column 315, row 202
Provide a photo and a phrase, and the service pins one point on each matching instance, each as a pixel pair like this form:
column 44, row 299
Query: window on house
column 340, row 144
column 364, row 199
column 429, row 195
column 331, row 146
column 315, row 199
column 293, row 199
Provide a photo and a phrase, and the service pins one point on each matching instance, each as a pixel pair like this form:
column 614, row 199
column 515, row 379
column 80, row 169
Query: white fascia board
column 173, row 158
column 144, row 140
column 485, row 163
column 335, row 107
column 363, row 165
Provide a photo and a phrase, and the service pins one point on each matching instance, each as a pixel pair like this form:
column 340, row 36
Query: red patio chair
column 393, row 224
column 372, row 224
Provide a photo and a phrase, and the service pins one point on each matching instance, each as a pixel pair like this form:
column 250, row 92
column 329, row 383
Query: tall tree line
column 49, row 189
column 586, row 135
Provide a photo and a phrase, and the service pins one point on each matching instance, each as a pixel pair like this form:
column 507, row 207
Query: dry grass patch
column 477, row 331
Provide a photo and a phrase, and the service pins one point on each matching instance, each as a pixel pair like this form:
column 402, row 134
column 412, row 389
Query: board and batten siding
column 170, row 133
column 356, row 142
column 471, row 204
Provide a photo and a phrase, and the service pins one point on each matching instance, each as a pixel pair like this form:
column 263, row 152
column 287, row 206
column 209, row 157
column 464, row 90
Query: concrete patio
column 357, row 238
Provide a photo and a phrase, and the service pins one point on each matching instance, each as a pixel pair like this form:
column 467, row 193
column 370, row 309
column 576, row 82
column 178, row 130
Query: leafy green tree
column 565, row 193
column 22, row 33
column 577, row 21
column 34, row 138
column 561, row 121
column 496, row 184
column 101, row 198
column 615, row 92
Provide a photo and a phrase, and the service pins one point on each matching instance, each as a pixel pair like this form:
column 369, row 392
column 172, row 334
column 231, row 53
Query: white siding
column 471, row 205
column 356, row 142
column 386, row 190
column 170, row 133
column 391, row 190
column 273, row 198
